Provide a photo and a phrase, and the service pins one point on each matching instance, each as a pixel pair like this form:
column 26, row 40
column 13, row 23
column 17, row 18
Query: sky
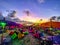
column 37, row 8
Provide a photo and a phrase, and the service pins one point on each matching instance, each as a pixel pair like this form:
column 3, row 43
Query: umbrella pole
column 2, row 36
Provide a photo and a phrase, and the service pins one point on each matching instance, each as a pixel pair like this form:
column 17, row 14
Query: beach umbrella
column 58, row 31
column 26, row 33
column 14, row 36
column 50, row 29
column 3, row 24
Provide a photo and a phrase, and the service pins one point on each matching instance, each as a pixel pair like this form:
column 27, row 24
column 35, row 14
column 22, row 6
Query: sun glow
column 33, row 19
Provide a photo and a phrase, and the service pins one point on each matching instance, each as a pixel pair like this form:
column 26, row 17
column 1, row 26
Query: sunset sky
column 38, row 8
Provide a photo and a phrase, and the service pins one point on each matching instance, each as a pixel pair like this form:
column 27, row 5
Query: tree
column 58, row 18
column 51, row 22
column 12, row 13
column 1, row 16
column 27, row 12
column 53, row 17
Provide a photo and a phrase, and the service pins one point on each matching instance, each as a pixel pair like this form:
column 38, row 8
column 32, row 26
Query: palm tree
column 53, row 18
column 4, row 19
column 58, row 18
column 27, row 12
column 51, row 22
column 1, row 16
column 40, row 22
column 12, row 13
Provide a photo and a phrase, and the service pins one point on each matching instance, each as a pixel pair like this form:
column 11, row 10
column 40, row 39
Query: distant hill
column 49, row 24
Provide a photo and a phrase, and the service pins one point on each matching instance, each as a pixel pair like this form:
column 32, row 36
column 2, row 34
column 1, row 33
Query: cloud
column 41, row 1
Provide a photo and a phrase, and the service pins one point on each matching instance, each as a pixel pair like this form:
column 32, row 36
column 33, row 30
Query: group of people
column 36, row 32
